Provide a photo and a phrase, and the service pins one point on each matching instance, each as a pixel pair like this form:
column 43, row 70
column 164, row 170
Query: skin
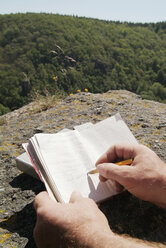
column 145, row 178
column 69, row 225
column 80, row 223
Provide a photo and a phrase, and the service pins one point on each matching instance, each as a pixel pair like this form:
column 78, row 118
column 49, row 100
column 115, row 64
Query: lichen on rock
column 126, row 214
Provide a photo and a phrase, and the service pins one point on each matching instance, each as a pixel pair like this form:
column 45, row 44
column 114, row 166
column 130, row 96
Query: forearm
column 107, row 240
column 160, row 187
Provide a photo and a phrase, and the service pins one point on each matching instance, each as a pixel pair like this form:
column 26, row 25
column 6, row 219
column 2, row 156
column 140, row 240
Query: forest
column 56, row 54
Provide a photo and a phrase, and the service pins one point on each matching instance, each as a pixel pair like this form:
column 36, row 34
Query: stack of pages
column 63, row 160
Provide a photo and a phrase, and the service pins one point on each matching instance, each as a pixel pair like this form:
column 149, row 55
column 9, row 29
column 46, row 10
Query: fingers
column 118, row 152
column 117, row 173
column 102, row 179
column 118, row 187
column 75, row 197
column 41, row 199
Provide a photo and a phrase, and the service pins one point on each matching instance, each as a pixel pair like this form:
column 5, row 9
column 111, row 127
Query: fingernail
column 100, row 168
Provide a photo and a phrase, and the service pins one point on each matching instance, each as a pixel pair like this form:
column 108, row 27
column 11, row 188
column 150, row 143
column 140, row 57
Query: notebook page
column 83, row 126
column 68, row 163
column 61, row 145
column 98, row 189
column 99, row 138
column 117, row 131
column 104, row 134
column 39, row 164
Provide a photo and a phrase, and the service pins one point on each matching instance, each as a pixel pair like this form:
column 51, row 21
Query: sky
column 113, row 10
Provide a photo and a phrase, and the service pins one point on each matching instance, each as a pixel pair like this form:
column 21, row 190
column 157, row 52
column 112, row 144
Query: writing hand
column 145, row 178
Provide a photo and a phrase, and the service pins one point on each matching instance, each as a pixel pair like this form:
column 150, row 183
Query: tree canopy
column 52, row 53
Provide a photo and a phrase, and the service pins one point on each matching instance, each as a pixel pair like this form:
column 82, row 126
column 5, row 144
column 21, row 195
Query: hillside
column 47, row 53
column 126, row 214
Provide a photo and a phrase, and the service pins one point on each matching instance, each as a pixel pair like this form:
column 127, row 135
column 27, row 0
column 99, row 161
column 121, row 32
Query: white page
column 117, row 131
column 99, row 137
column 68, row 165
column 67, row 161
column 83, row 126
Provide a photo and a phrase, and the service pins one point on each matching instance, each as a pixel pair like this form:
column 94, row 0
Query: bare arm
column 77, row 224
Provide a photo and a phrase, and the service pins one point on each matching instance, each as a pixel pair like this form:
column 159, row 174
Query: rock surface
column 125, row 213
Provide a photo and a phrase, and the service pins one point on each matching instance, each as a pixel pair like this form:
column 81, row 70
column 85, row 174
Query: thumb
column 75, row 197
column 115, row 172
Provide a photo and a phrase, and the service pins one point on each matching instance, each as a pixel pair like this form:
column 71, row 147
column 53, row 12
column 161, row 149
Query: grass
column 2, row 121
column 42, row 103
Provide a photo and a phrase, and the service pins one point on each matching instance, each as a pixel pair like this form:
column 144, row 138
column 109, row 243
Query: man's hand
column 77, row 224
column 145, row 177
column 80, row 223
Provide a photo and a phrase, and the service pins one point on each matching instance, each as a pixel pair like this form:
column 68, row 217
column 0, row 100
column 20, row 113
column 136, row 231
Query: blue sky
column 115, row 10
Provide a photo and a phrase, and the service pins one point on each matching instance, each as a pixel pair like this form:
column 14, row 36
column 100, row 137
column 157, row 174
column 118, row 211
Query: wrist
column 162, row 185
column 101, row 238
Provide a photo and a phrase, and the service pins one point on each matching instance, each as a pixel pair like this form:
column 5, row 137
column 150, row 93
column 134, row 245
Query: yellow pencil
column 125, row 162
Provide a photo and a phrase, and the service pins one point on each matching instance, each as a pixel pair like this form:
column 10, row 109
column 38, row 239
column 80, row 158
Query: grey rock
column 146, row 119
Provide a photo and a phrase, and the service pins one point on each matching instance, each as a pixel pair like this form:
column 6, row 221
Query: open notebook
column 63, row 159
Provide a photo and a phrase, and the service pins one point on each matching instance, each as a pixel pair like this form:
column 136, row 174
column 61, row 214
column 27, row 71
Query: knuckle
column 40, row 212
column 91, row 202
